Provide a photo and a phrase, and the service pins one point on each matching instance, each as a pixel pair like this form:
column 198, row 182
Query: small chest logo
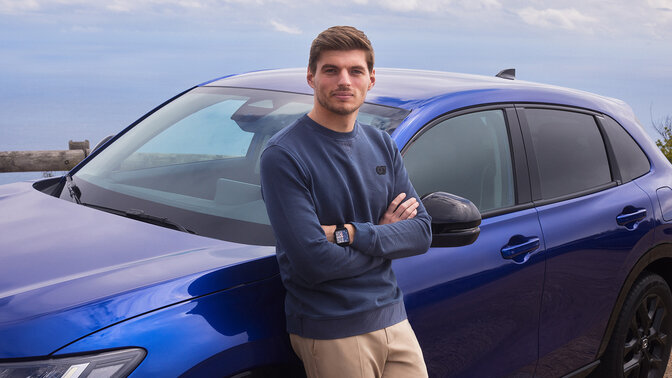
column 381, row 169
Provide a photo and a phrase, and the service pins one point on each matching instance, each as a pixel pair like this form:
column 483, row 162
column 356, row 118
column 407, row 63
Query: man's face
column 341, row 80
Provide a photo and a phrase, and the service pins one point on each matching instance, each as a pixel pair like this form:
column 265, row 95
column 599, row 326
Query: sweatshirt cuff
column 364, row 234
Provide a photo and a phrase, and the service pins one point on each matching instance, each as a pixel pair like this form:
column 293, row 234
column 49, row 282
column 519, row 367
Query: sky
column 84, row 69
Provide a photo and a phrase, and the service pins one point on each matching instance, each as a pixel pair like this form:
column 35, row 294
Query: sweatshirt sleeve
column 297, row 228
column 400, row 239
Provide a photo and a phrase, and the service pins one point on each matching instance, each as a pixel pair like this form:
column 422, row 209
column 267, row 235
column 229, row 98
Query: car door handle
column 631, row 216
column 511, row 251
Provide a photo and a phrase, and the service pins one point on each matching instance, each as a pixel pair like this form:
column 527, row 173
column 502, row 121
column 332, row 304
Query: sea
column 47, row 115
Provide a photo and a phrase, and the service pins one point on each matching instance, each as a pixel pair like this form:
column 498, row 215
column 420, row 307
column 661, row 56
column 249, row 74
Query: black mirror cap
column 451, row 212
column 455, row 220
column 456, row 238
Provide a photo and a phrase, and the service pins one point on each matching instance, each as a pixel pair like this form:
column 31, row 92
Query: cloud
column 120, row 6
column 433, row 6
column 284, row 28
column 660, row 4
column 101, row 6
column 13, row 6
column 85, row 29
column 481, row 5
column 614, row 19
column 401, row 5
column 570, row 19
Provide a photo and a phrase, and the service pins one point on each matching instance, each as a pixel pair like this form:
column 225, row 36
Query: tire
column 641, row 341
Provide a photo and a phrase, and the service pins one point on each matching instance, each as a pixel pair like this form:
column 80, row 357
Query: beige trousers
column 391, row 352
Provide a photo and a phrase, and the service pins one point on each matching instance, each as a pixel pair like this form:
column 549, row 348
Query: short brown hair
column 340, row 38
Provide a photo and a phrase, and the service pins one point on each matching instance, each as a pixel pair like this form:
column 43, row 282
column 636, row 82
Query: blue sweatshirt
column 310, row 176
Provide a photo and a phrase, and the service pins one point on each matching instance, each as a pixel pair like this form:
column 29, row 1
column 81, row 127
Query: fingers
column 395, row 203
column 398, row 210
column 408, row 209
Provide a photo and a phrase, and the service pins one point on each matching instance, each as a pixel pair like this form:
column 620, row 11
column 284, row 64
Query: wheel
column 641, row 341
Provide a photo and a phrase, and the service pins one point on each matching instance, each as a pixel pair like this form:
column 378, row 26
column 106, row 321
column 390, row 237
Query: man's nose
column 344, row 77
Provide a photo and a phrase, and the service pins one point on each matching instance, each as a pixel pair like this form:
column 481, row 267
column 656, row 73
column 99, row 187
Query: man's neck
column 333, row 121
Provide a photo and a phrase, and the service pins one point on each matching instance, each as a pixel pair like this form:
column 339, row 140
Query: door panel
column 586, row 251
column 475, row 309
column 476, row 313
column 591, row 224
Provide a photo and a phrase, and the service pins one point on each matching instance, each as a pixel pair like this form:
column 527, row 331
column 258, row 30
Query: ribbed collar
column 328, row 132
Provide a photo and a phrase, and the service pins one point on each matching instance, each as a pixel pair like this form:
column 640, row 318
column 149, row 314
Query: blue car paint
column 585, row 250
column 487, row 306
column 223, row 326
column 664, row 196
column 63, row 289
column 468, row 305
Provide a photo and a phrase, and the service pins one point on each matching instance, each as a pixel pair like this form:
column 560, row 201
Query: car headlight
column 118, row 363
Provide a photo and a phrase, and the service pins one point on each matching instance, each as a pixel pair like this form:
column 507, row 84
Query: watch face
column 342, row 236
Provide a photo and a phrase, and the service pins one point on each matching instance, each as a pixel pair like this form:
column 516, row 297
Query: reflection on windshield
column 196, row 160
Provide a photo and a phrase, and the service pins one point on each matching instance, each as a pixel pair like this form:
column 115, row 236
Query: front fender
column 219, row 334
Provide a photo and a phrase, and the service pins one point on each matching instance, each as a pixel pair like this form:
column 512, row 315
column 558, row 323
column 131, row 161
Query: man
column 335, row 193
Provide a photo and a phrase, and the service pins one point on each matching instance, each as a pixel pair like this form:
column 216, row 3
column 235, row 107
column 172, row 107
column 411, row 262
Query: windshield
column 195, row 161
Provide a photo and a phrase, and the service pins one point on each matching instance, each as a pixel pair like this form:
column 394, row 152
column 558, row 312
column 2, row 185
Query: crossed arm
column 395, row 212
column 402, row 231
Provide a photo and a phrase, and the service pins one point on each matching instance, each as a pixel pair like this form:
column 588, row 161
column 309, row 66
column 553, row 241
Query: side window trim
column 521, row 172
column 535, row 183
column 522, row 198
column 533, row 169
column 578, row 194
column 611, row 155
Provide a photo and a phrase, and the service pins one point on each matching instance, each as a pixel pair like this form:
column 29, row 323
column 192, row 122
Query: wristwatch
column 341, row 236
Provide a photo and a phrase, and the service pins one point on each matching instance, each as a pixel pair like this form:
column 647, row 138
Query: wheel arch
column 657, row 260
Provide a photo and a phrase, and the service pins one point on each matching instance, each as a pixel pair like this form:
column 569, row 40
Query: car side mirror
column 455, row 220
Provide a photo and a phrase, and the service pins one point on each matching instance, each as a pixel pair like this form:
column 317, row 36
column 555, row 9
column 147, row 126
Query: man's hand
column 398, row 210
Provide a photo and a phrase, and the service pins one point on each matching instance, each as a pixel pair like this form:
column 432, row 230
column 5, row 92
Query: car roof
column 410, row 89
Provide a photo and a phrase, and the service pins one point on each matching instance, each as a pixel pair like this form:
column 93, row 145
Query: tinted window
column 631, row 160
column 467, row 155
column 569, row 151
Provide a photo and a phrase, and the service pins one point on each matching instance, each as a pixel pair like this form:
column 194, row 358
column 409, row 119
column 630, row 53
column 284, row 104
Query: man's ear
column 372, row 77
column 310, row 77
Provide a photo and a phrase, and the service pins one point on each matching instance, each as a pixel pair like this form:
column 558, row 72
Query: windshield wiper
column 76, row 193
column 73, row 189
column 153, row 219
column 141, row 216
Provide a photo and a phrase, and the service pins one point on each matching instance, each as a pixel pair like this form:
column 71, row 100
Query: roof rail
column 509, row 73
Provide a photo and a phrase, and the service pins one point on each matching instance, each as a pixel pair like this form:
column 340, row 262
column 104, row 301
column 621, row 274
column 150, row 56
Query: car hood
column 67, row 270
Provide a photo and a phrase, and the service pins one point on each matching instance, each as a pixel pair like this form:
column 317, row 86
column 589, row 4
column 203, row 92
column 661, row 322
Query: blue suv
column 154, row 257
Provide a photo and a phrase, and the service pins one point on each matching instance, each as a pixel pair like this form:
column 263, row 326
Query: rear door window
column 569, row 152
